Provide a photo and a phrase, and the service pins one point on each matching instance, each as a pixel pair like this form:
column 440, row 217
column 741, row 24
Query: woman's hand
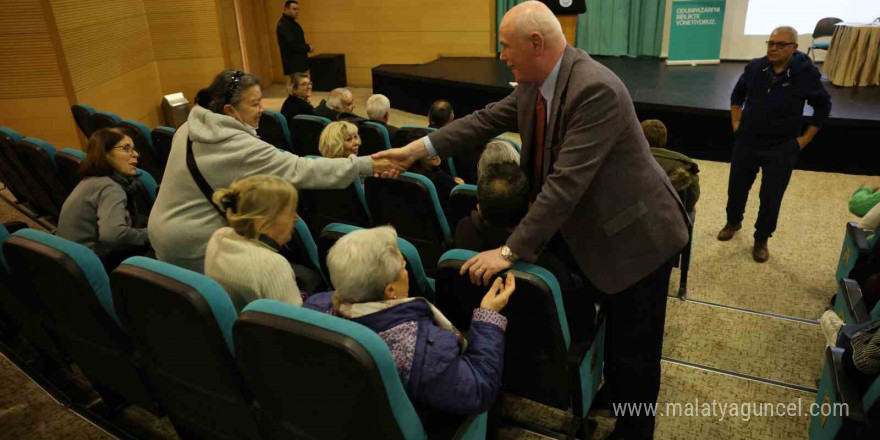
column 498, row 295
column 386, row 168
column 458, row 180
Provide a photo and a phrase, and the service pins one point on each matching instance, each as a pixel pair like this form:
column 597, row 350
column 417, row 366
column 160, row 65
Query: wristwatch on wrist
column 508, row 254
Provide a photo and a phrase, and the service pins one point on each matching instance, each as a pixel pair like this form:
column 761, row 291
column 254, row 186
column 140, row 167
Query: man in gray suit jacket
column 601, row 200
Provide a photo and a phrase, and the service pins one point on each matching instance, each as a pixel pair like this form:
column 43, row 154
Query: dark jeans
column 776, row 163
column 635, row 318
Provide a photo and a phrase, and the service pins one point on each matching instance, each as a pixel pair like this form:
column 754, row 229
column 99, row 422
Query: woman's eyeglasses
column 778, row 44
column 128, row 149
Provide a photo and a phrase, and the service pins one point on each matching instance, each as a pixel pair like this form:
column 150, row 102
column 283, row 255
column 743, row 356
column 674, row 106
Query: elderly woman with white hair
column 440, row 370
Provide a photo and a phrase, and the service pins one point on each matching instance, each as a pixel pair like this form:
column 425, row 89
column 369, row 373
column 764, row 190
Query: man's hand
column 803, row 141
column 458, row 180
column 483, row 266
column 386, row 168
column 498, row 295
column 735, row 126
column 404, row 156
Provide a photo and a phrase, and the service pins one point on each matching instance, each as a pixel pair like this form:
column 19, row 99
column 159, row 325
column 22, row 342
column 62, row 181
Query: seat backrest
column 825, row 27
column 162, row 136
column 301, row 364
column 181, row 323
column 374, row 138
column 81, row 313
column 403, row 133
column 320, row 207
column 462, row 200
column 537, row 337
column 101, row 119
column 410, row 203
column 11, row 168
column 149, row 183
column 273, row 129
column 307, row 129
column 39, row 157
column 302, row 250
column 509, row 141
column 68, row 160
column 82, row 114
column 419, row 283
column 148, row 158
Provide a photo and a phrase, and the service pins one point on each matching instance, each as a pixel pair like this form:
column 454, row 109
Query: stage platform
column 694, row 102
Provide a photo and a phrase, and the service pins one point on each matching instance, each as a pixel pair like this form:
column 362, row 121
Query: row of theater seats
column 41, row 177
column 858, row 252
column 169, row 340
column 152, row 146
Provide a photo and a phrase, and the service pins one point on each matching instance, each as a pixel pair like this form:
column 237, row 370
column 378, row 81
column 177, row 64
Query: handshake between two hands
column 389, row 164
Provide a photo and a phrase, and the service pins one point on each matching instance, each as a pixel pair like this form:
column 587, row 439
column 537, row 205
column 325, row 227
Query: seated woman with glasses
column 339, row 139
column 219, row 145
column 108, row 210
column 299, row 90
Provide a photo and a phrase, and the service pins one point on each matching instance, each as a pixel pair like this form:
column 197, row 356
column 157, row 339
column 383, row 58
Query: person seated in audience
column 440, row 114
column 225, row 148
column 496, row 152
column 503, row 200
column 299, row 89
column 379, row 110
column 682, row 170
column 430, row 168
column 440, row 371
column 861, row 344
column 243, row 257
column 338, row 106
column 108, row 210
column 863, row 199
column 339, row 139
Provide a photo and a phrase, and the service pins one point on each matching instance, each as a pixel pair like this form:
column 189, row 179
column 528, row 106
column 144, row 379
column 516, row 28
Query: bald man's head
column 531, row 41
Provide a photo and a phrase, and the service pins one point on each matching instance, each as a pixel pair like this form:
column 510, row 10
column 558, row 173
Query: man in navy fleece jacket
column 766, row 107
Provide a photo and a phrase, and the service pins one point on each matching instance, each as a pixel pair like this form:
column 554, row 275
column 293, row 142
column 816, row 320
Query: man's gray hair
column 535, row 16
column 363, row 262
column 787, row 30
column 377, row 107
column 337, row 98
column 496, row 152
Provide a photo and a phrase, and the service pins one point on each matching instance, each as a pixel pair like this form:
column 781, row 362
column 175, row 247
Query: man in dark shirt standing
column 766, row 107
column 292, row 40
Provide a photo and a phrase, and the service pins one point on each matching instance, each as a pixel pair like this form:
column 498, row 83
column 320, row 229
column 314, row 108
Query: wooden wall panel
column 188, row 76
column 370, row 33
column 134, row 95
column 47, row 118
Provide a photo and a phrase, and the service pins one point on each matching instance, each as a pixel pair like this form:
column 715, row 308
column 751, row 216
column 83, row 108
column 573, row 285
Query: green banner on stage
column 695, row 32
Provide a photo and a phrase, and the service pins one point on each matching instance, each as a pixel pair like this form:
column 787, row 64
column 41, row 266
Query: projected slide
column 764, row 15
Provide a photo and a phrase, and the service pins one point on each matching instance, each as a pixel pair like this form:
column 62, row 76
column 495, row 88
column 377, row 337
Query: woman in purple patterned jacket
column 440, row 370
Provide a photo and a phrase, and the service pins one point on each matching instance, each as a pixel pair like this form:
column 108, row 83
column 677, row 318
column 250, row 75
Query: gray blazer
column 614, row 206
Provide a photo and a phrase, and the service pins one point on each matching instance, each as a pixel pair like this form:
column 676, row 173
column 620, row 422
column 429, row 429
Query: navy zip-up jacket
column 772, row 111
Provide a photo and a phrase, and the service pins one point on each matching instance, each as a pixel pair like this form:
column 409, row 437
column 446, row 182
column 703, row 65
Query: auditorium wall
column 370, row 33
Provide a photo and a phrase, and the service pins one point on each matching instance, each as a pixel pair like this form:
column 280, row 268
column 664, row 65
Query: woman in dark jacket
column 440, row 370
column 297, row 102
column 108, row 210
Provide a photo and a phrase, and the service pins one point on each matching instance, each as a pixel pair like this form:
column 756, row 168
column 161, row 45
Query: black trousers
column 635, row 318
column 776, row 163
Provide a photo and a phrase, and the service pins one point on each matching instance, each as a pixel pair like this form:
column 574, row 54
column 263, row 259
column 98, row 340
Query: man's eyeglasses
column 305, row 84
column 128, row 149
column 778, row 44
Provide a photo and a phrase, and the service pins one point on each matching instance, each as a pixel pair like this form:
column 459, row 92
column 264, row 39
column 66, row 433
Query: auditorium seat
column 684, row 257
column 148, row 158
column 348, row 382
column 462, row 200
column 509, row 141
column 38, row 156
column 273, row 129
column 100, row 119
column 18, row 181
column 838, row 393
column 303, row 251
column 542, row 361
column 82, row 115
column 181, row 323
column 419, row 283
column 162, row 136
column 856, row 248
column 851, row 306
column 320, row 207
column 824, row 28
column 307, row 133
column 374, row 138
column 401, row 138
column 410, row 203
column 81, row 313
column 68, row 161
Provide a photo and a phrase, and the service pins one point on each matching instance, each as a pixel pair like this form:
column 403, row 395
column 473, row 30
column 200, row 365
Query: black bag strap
column 203, row 185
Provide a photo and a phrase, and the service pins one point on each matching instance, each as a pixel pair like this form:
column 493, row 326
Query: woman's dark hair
column 227, row 87
column 101, row 142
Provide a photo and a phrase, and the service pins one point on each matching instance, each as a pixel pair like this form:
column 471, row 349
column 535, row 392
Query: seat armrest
column 859, row 237
column 853, row 301
column 845, row 391
column 472, row 428
column 12, row 227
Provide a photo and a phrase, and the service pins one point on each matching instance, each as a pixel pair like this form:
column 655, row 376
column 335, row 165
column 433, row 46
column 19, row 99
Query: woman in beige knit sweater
column 243, row 257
